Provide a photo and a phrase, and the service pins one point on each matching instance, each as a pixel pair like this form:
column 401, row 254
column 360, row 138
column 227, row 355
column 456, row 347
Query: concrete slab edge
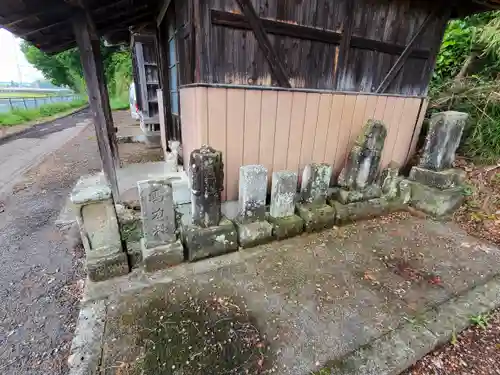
column 394, row 352
column 24, row 131
column 86, row 347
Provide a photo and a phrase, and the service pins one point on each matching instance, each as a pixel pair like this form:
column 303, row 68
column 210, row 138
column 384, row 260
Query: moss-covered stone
column 439, row 203
column 134, row 253
column 208, row 242
column 316, row 217
column 286, row 227
column 444, row 179
column 130, row 224
column 346, row 213
column 162, row 257
column 254, row 234
column 107, row 267
column 350, row 196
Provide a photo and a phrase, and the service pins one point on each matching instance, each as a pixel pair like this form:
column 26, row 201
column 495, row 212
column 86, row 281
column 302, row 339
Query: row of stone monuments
column 361, row 192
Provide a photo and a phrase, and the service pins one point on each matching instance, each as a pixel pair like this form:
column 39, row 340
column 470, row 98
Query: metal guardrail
column 8, row 104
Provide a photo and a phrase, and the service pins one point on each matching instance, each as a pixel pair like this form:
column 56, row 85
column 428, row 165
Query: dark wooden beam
column 277, row 69
column 238, row 21
column 89, row 46
column 393, row 72
column 45, row 28
column 341, row 67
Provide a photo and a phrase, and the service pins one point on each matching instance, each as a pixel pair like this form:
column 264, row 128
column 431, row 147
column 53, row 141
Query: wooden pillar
column 89, row 45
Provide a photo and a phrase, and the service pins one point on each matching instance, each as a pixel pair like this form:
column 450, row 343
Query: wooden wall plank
column 319, row 150
column 344, row 132
column 418, row 129
column 334, row 128
column 310, row 122
column 201, row 104
column 267, row 128
column 296, row 129
column 235, row 129
column 217, row 112
column 392, row 117
column 282, row 133
column 371, row 105
column 380, row 108
column 405, row 130
column 253, row 101
column 358, row 119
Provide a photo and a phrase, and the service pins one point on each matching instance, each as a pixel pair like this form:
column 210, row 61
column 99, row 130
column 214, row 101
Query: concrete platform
column 367, row 298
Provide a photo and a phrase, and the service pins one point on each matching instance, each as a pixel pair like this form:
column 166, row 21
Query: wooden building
column 281, row 83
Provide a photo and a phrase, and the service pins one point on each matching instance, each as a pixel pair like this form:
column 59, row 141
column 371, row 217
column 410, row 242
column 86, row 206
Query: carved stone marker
column 160, row 248
column 313, row 209
column 252, row 193
column 315, row 182
column 434, row 186
column 209, row 233
column 158, row 214
column 282, row 212
column 363, row 161
column 99, row 229
column 253, row 229
column 207, row 183
column 443, row 139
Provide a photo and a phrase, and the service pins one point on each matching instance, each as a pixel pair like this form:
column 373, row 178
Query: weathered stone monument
column 253, row 229
column 434, row 186
column 359, row 195
column 209, row 233
column 160, row 247
column 282, row 211
column 99, row 229
column 313, row 209
column 357, row 178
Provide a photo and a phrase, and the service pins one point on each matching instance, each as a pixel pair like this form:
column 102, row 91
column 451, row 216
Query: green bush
column 9, row 119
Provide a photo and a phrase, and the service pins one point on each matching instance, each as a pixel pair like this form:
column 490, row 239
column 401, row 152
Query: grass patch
column 25, row 94
column 21, row 116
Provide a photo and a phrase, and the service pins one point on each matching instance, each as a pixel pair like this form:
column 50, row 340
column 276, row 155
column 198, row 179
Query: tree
column 65, row 69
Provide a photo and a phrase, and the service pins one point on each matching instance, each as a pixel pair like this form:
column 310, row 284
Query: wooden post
column 345, row 46
column 89, row 46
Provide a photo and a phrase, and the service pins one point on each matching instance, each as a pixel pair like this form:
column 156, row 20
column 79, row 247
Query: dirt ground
column 41, row 276
column 132, row 153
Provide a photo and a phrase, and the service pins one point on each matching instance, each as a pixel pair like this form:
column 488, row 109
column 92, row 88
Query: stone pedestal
column 282, row 211
column 433, row 201
column 316, row 217
column 212, row 241
column 444, row 179
column 434, row 187
column 346, row 213
column 350, row 196
column 253, row 229
column 99, row 229
column 313, row 210
column 160, row 248
column 209, row 233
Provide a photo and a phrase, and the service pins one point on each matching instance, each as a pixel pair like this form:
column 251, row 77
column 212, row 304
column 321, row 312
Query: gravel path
column 40, row 277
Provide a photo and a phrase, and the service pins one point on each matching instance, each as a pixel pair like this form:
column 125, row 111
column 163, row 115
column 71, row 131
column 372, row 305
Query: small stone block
column 346, row 213
column 286, row 227
column 444, row 179
column 351, row 196
column 254, row 234
column 316, row 216
column 208, row 242
column 107, row 267
column 283, row 192
column 436, row 202
column 252, row 193
column 315, row 182
column 162, row 257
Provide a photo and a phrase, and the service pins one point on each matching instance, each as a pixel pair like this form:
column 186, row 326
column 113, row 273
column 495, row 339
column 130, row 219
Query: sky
column 13, row 65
